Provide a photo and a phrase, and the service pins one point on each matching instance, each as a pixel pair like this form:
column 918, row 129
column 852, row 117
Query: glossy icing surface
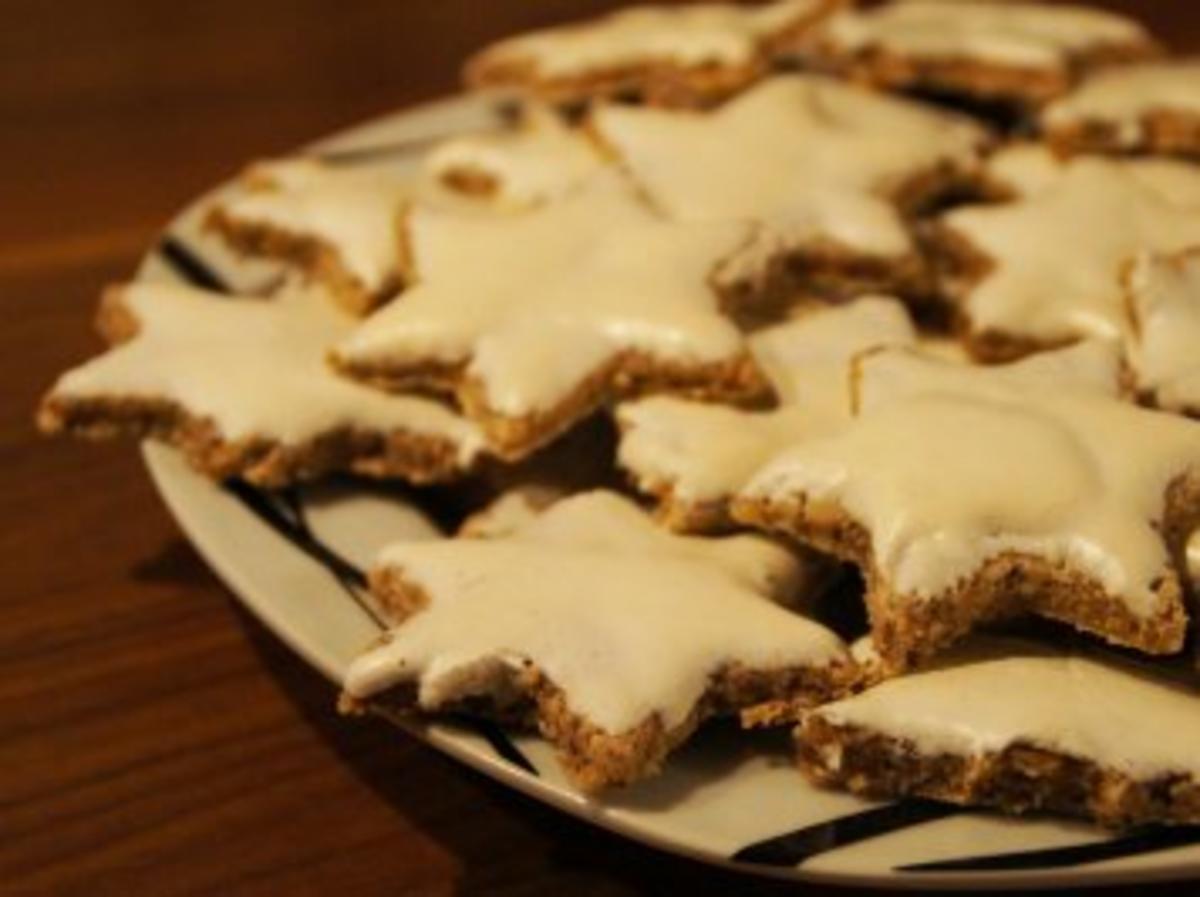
column 627, row 620
column 707, row 452
column 254, row 367
column 1046, row 287
column 1020, row 34
column 722, row 33
column 810, row 159
column 1024, row 463
column 536, row 303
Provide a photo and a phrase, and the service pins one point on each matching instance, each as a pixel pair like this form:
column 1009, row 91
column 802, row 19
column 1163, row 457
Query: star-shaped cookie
column 1001, row 722
column 616, row 637
column 693, row 457
column 827, row 172
column 967, row 494
column 691, row 55
column 1012, row 52
column 242, row 387
column 536, row 319
column 1045, row 269
column 1163, row 295
column 337, row 224
column 1153, row 107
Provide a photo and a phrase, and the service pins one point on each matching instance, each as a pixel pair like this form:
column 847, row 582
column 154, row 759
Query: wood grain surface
column 153, row 738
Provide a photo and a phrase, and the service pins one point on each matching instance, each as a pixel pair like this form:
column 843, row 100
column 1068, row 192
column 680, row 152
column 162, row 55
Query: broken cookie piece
column 241, row 386
column 617, row 638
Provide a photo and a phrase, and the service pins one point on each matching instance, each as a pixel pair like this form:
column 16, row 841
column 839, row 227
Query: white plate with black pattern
column 295, row 559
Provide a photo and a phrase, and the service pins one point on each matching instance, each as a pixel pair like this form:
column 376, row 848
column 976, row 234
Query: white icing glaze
column 538, row 302
column 813, row 159
column 1045, row 467
column 1164, row 294
column 1058, row 253
column 1029, row 169
column 994, row 694
column 627, row 620
column 707, row 452
column 351, row 210
column 254, row 367
column 1121, row 96
column 891, row 376
column 686, row 36
column 542, row 160
column 1032, row 35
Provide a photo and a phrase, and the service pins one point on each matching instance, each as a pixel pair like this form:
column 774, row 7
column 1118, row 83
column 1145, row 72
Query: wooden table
column 153, row 738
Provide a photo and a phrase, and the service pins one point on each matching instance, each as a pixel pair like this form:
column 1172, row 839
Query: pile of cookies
column 895, row 311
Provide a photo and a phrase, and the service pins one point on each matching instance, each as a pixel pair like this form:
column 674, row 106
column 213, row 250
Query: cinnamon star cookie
column 338, row 225
column 1149, row 108
column 614, row 637
column 1020, row 727
column 242, row 387
column 536, row 319
column 1023, row 285
column 970, row 494
column 1013, row 52
column 690, row 55
column 826, row 171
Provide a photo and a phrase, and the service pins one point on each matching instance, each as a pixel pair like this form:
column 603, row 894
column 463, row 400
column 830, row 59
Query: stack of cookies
column 894, row 311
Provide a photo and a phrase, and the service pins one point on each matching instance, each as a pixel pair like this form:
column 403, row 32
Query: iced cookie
column 1006, row 724
column 1016, row 53
column 690, row 55
column 1164, row 301
column 693, row 457
column 968, row 494
column 615, row 637
column 1149, row 108
column 535, row 320
column 241, row 386
column 541, row 160
column 336, row 224
column 1022, row 285
column 826, row 171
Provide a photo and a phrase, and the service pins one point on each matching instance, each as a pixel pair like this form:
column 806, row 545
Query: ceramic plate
column 296, row 559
